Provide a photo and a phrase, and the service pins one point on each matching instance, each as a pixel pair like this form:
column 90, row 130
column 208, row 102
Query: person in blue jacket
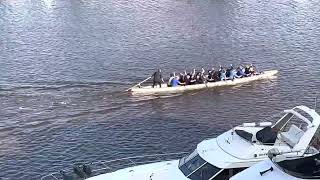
column 175, row 82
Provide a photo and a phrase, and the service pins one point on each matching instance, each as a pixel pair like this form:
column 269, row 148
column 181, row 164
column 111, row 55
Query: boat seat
column 267, row 136
column 292, row 136
column 244, row 134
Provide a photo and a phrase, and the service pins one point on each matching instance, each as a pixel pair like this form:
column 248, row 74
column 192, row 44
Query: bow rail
column 83, row 171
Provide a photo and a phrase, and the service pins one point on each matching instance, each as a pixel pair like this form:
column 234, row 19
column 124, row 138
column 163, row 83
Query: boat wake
column 59, row 85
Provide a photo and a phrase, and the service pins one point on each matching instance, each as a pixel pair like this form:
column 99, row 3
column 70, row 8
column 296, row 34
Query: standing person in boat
column 157, row 78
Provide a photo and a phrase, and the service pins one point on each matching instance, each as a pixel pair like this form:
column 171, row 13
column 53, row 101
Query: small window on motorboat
column 196, row 168
column 236, row 171
column 205, row 172
column 190, row 163
column 187, row 158
column 304, row 168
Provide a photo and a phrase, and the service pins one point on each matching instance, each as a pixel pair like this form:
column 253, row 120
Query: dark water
column 64, row 65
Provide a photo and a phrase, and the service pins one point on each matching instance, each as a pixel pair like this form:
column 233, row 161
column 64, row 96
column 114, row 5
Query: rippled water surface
column 64, row 65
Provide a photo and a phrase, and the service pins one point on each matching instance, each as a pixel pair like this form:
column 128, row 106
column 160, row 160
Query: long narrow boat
column 165, row 89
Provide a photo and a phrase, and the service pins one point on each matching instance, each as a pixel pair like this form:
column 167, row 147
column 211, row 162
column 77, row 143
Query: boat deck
column 102, row 167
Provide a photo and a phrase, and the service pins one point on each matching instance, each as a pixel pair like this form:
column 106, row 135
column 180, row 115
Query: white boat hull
column 167, row 170
column 178, row 89
column 253, row 173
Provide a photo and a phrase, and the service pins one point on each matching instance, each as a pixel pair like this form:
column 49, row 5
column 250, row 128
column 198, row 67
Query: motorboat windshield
column 304, row 168
column 196, row 168
column 187, row 158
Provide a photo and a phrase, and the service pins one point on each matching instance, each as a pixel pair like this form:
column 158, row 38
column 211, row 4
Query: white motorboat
column 281, row 165
column 229, row 153
column 284, row 168
column 138, row 89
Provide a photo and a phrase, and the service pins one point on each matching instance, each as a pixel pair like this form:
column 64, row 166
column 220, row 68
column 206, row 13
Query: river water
column 64, row 65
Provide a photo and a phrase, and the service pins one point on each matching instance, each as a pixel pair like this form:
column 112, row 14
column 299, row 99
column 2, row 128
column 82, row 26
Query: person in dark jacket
column 187, row 79
column 211, row 74
column 215, row 76
column 157, row 78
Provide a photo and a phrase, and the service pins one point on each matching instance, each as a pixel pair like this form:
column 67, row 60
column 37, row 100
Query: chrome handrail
column 105, row 167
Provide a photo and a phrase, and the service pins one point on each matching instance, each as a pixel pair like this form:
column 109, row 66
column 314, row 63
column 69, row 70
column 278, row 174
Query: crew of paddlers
column 200, row 77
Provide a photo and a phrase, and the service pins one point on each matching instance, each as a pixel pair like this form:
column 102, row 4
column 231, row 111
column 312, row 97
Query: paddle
column 139, row 83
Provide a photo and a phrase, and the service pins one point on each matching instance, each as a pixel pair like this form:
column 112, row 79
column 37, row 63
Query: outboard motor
column 79, row 171
column 87, row 170
column 65, row 176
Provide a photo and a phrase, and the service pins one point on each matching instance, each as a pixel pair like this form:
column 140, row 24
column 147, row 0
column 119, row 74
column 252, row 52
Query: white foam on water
column 49, row 3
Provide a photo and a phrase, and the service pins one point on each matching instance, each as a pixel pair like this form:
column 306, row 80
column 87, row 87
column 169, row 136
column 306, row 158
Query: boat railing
column 107, row 166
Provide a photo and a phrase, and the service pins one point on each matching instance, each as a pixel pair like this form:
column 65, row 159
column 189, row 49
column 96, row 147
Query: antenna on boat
column 315, row 103
column 232, row 131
